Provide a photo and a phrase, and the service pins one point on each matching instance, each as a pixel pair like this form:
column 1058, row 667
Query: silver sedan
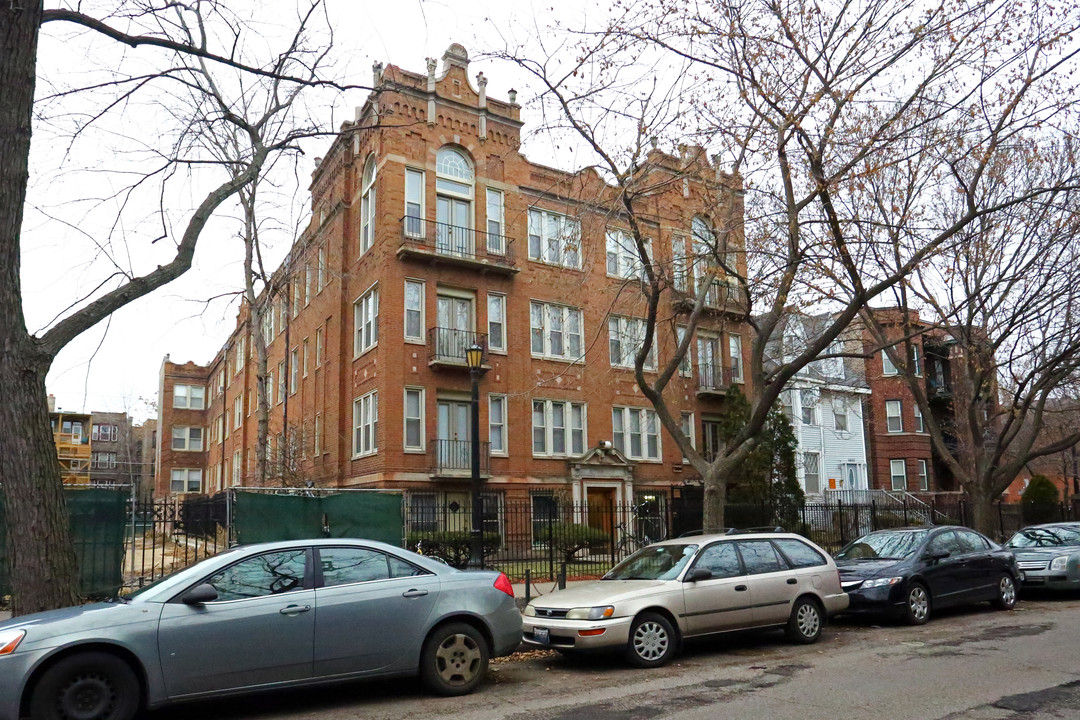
column 260, row 617
column 690, row 587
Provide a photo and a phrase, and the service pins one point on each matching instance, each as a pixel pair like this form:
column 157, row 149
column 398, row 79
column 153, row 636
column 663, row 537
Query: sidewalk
column 4, row 615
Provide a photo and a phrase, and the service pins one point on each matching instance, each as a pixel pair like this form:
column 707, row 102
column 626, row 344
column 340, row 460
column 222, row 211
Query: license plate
column 542, row 635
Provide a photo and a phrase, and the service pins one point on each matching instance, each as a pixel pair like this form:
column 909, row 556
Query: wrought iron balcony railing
column 715, row 377
column 454, row 457
column 455, row 242
column 447, row 346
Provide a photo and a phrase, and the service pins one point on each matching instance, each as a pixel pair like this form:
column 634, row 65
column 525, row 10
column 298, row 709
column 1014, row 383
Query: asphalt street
column 969, row 663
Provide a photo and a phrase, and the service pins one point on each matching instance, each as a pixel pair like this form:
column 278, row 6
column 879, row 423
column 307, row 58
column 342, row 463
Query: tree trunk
column 41, row 561
column 714, row 501
column 984, row 516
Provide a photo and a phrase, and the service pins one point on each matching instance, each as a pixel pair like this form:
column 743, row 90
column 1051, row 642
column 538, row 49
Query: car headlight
column 593, row 613
column 529, row 611
column 9, row 640
column 1060, row 563
column 881, row 582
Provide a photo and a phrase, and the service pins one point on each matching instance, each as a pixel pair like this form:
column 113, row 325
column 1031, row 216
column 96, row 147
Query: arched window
column 453, row 203
column 367, row 206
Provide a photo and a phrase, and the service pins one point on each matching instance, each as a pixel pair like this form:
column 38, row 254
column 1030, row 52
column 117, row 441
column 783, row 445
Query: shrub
column 452, row 547
column 570, row 538
column 1040, row 501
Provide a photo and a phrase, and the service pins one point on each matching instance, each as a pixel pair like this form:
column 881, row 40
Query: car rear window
column 799, row 554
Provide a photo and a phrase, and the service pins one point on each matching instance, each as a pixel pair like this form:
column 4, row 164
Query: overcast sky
column 114, row 366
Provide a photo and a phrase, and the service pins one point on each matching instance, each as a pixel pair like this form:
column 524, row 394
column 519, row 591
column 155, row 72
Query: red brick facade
column 419, row 115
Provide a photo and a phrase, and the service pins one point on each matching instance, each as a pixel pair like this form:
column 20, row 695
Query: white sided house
column 826, row 405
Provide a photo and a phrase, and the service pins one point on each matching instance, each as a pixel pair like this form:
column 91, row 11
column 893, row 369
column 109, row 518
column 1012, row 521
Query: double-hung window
column 185, row 480
column 898, row 474
column 924, row 475
column 294, row 370
column 365, row 424
column 318, row 346
column 685, row 368
column 687, row 427
column 192, row 397
column 414, row 311
column 919, row 425
column 558, row 428
column 238, row 412
column 187, row 438
column 497, row 424
column 636, row 432
column 414, row 419
column 809, row 401
column 625, row 336
column 679, row 264
column 414, row 203
column 894, row 421
column 281, row 386
column 735, row 352
column 268, row 325
column 241, row 348
column 812, row 472
column 887, row 366
column 623, row 258
column 320, row 281
column 367, row 206
column 496, row 241
column 554, row 239
column 496, row 313
column 555, row 331
column 366, row 321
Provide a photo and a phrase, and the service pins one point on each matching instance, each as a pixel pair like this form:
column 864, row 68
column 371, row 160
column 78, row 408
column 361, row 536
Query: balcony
column 453, row 458
column 721, row 297
column 714, row 379
column 440, row 243
column 447, row 346
column 938, row 389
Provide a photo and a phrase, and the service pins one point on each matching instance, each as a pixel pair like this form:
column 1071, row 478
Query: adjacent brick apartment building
column 430, row 232
column 902, row 455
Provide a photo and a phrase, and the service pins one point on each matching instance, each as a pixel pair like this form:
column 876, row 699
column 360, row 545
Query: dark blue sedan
column 910, row 572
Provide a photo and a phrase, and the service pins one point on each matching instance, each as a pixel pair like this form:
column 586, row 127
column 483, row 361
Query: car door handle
column 740, row 588
column 414, row 593
column 294, row 609
column 792, row 581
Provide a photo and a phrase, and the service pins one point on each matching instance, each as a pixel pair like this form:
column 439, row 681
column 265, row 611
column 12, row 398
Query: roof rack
column 737, row 531
column 758, row 529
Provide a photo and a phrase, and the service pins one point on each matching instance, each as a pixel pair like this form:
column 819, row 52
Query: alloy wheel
column 458, row 659
column 919, row 603
column 1007, row 591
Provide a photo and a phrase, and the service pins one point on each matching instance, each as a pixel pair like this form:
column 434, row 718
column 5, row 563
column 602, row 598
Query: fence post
column 933, row 509
column 611, row 533
column 905, row 511
column 963, row 513
column 528, row 585
column 562, row 576
column 551, row 546
column 873, row 514
column 840, row 513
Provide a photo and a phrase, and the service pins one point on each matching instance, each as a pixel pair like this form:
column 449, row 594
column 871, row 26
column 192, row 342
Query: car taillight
column 503, row 583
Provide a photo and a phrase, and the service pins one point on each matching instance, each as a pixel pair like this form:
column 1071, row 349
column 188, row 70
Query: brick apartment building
column 431, row 232
column 902, row 455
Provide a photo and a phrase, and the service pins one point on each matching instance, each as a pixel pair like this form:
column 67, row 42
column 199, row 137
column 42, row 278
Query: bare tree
column 839, row 128
column 248, row 86
column 1000, row 311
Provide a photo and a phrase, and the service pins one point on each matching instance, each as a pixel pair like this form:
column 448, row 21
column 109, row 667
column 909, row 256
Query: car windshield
column 656, row 562
column 1044, row 537
column 884, row 546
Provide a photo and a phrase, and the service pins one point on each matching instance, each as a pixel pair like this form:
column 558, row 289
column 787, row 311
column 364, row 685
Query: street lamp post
column 474, row 358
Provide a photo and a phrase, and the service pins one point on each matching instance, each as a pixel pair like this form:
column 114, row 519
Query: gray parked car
column 260, row 617
column 1048, row 555
column 676, row 589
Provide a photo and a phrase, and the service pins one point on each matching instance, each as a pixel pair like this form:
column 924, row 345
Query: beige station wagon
column 689, row 587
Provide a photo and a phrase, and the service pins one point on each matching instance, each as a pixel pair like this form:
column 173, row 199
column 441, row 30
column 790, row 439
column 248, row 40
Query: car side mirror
column 934, row 557
column 698, row 574
column 200, row 594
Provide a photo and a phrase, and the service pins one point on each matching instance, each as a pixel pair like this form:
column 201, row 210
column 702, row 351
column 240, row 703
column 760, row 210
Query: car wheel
column 805, row 624
column 454, row 659
column 652, row 641
column 918, row 604
column 1006, row 593
column 87, row 686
